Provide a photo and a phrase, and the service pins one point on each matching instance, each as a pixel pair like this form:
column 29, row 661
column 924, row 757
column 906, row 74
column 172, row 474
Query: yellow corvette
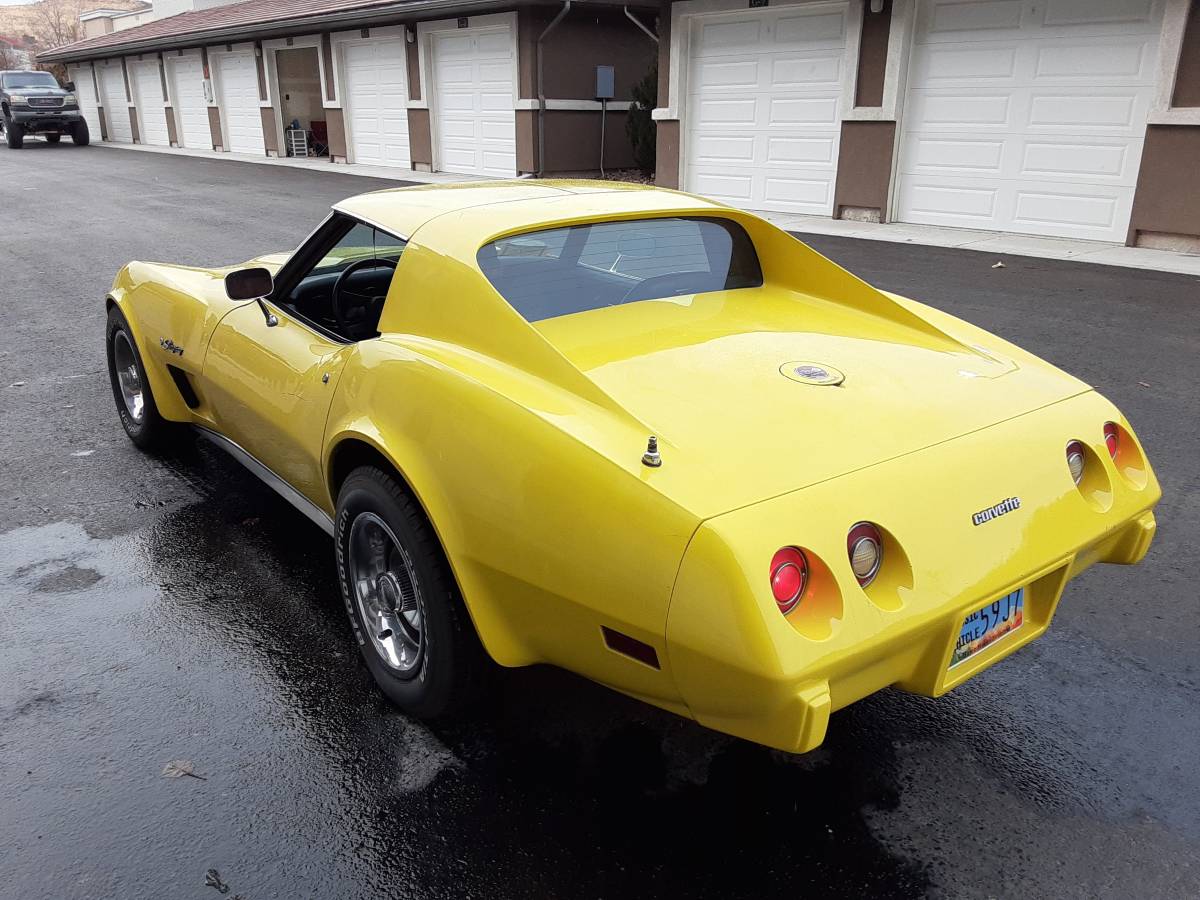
column 642, row 436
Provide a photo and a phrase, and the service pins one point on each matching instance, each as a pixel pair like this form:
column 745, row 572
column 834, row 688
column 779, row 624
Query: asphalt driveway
column 154, row 610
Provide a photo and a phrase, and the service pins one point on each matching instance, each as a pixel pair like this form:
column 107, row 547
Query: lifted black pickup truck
column 33, row 103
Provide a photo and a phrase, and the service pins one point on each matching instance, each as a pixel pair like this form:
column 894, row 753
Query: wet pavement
column 162, row 609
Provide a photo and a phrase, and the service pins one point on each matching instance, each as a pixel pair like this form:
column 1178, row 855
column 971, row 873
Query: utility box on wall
column 606, row 82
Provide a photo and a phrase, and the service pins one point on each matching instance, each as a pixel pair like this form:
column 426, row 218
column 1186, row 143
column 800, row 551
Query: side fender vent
column 631, row 647
column 186, row 391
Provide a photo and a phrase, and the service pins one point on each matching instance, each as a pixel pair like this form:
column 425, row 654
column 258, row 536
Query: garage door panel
column 811, row 30
column 116, row 104
column 940, row 111
column 148, row 89
column 1061, row 160
column 955, row 64
column 930, row 201
column 1089, row 12
column 763, row 107
column 475, row 124
column 191, row 107
column 377, row 102
column 952, row 19
column 237, row 83
column 954, row 155
column 1111, row 60
column 800, row 150
column 1092, row 112
column 812, row 73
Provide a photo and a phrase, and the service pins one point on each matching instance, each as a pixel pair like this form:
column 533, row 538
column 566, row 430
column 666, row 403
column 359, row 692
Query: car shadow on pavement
column 553, row 787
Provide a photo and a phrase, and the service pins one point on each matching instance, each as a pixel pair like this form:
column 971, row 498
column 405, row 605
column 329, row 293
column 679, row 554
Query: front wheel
column 53, row 138
column 13, row 135
column 408, row 616
column 131, row 388
column 80, row 134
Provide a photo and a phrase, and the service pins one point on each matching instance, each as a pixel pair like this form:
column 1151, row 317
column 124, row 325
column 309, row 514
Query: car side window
column 344, row 287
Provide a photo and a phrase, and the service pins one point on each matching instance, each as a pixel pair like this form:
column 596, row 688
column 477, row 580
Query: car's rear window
column 559, row 271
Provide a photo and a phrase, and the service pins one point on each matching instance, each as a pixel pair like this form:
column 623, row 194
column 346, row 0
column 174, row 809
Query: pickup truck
column 33, row 103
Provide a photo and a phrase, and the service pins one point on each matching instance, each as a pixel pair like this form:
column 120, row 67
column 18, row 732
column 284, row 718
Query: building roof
column 236, row 21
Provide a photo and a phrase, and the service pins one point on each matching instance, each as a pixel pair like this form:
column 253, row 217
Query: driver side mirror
column 248, row 284
column 69, row 86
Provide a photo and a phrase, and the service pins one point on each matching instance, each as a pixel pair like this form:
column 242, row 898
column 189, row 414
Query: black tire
column 450, row 663
column 80, row 134
column 53, row 138
column 149, row 429
column 13, row 135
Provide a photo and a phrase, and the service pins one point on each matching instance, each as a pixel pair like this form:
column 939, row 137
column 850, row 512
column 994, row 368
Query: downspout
column 638, row 22
column 541, row 88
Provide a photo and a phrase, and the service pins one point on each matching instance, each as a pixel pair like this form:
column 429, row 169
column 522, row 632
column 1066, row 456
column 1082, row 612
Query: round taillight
column 1075, row 460
column 789, row 575
column 865, row 546
column 1112, row 438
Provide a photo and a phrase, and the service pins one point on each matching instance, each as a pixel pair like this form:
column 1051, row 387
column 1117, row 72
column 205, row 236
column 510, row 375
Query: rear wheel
column 13, row 135
column 408, row 617
column 53, row 138
column 131, row 389
column 80, row 134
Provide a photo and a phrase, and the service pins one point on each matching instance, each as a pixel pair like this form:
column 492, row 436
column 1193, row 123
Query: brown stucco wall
column 260, row 67
column 103, row 123
column 864, row 167
column 1187, row 76
column 526, row 141
column 666, row 173
column 327, row 63
column 133, row 125
column 172, row 132
column 872, row 54
column 1168, row 185
column 412, row 59
column 214, row 127
column 420, row 144
column 583, row 40
column 573, row 142
column 335, row 122
column 270, row 132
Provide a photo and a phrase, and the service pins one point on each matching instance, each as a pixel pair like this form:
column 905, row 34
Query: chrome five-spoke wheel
column 128, row 379
column 387, row 592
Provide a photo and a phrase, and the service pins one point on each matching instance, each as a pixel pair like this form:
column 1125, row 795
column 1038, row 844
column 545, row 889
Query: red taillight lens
column 1112, row 438
column 1075, row 460
column 864, row 544
column 789, row 575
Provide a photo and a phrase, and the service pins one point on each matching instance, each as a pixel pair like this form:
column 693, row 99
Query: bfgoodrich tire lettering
column 442, row 675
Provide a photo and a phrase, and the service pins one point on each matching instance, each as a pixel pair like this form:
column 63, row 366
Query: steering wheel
column 339, row 295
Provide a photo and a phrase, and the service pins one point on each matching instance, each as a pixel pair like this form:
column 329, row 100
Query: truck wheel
column 408, row 616
column 79, row 134
column 13, row 135
column 53, row 138
column 130, row 386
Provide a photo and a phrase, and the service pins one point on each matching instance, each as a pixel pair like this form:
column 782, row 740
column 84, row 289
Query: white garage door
column 1028, row 116
column 762, row 112
column 85, row 90
column 237, row 84
column 147, row 91
column 476, row 128
column 377, row 97
column 116, row 106
column 187, row 95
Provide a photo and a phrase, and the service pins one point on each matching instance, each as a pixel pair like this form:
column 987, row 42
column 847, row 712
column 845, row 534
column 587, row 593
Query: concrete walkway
column 1000, row 243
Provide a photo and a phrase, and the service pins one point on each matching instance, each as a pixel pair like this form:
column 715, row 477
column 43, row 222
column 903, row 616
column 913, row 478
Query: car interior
column 347, row 271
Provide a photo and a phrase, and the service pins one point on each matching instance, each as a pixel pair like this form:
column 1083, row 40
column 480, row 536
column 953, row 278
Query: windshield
column 543, row 274
column 30, row 80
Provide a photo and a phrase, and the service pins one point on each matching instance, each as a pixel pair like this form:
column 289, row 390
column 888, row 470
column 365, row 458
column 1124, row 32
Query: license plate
column 989, row 624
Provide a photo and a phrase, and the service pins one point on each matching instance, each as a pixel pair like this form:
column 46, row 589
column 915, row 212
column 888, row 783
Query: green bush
column 641, row 129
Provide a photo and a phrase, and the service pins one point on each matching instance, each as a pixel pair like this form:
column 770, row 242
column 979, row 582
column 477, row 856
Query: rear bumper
column 746, row 670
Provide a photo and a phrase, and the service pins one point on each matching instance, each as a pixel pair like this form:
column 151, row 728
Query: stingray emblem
column 812, row 373
column 995, row 512
column 170, row 346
